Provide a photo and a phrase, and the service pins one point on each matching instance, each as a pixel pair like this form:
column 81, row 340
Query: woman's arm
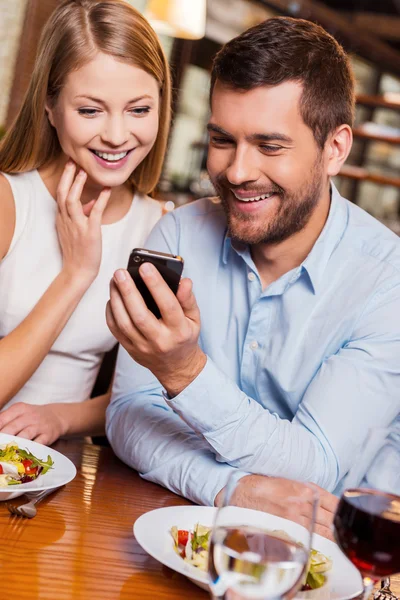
column 84, row 418
column 46, row 423
column 24, row 348
column 7, row 216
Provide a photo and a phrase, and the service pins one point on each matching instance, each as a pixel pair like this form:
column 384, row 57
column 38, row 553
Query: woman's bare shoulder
column 7, row 216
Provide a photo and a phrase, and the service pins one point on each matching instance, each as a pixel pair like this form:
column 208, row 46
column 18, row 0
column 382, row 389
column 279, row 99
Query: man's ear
column 50, row 112
column 338, row 148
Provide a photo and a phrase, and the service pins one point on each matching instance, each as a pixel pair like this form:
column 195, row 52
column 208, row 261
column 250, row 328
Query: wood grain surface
column 80, row 545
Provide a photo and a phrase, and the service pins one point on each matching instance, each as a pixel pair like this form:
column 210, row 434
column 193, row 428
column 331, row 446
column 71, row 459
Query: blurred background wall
column 11, row 22
column 370, row 31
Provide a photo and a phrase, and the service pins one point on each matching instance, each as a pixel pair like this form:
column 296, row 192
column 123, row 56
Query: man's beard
column 294, row 211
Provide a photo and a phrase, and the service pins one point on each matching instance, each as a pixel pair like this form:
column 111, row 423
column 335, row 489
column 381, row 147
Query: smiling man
column 298, row 350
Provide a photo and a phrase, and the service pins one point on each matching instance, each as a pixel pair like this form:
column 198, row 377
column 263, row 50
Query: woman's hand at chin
column 79, row 226
column 44, row 423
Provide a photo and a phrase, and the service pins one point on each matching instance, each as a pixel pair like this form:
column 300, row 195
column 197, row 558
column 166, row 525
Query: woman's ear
column 338, row 148
column 50, row 112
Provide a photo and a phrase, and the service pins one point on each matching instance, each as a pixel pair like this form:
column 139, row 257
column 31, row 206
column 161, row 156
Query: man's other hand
column 269, row 494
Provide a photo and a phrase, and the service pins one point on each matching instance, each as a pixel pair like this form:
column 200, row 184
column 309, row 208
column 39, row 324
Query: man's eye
column 268, row 148
column 140, row 110
column 220, row 141
column 88, row 112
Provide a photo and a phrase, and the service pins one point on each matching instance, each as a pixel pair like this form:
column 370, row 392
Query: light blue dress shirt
column 296, row 373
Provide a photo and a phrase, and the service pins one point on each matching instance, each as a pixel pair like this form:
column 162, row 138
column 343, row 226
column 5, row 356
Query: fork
column 28, row 509
column 385, row 593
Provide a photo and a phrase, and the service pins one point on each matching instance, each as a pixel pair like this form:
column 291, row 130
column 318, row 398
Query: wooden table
column 80, row 545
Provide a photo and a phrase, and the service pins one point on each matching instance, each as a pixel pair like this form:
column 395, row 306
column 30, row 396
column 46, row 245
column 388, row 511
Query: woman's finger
column 64, row 185
column 29, row 433
column 43, row 438
column 100, row 205
column 87, row 208
column 16, row 425
column 73, row 201
column 13, row 413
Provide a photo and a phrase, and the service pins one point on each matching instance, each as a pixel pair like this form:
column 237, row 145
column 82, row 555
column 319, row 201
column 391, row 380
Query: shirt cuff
column 209, row 401
column 234, row 476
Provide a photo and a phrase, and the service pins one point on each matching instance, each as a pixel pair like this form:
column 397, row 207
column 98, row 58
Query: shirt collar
column 226, row 247
column 328, row 239
column 315, row 263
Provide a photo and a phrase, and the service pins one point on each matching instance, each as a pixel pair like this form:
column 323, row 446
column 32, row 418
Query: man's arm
column 353, row 390
column 148, row 436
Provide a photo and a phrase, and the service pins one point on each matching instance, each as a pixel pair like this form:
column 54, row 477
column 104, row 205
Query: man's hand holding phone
column 167, row 346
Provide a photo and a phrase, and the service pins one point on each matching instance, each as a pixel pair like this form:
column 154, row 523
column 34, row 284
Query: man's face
column 264, row 161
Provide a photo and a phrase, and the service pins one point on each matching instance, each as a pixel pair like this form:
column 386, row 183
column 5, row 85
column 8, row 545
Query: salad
column 193, row 547
column 20, row 466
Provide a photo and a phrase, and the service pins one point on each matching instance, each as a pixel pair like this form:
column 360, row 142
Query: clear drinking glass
column 259, row 547
column 367, row 521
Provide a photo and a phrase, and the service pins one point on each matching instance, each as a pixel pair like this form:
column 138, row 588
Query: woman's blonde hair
column 75, row 32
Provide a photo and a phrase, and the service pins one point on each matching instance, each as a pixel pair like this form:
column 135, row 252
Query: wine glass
column 367, row 521
column 260, row 547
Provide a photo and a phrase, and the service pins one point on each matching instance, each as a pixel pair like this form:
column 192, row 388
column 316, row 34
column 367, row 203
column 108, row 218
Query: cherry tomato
column 183, row 537
column 1, row 470
column 29, row 470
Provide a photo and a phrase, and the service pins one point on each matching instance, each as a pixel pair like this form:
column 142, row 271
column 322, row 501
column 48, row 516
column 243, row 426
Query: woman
column 85, row 149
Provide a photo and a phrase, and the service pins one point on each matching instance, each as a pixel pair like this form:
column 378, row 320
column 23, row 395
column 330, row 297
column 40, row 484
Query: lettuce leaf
column 200, row 537
column 315, row 580
column 45, row 464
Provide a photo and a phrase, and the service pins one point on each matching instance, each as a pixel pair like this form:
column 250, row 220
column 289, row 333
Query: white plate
column 152, row 531
column 62, row 472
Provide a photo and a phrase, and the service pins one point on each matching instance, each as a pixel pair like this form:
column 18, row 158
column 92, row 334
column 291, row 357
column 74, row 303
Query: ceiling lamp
column 178, row 18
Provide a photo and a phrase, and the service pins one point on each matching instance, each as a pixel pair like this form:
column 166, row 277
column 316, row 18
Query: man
column 298, row 349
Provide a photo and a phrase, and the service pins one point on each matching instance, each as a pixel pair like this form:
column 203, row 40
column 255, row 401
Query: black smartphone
column 170, row 267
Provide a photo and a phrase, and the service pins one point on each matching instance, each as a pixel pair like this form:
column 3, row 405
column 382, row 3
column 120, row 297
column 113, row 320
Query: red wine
column 367, row 529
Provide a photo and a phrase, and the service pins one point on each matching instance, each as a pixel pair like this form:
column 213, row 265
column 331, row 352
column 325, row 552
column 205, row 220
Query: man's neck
column 274, row 260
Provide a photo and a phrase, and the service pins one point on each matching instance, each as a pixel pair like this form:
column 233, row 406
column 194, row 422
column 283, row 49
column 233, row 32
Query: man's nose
column 116, row 132
column 242, row 168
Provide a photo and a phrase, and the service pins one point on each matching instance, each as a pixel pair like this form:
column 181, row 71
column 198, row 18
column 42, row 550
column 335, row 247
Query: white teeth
column 111, row 157
column 254, row 198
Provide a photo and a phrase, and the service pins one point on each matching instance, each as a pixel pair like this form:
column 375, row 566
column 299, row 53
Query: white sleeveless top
column 68, row 372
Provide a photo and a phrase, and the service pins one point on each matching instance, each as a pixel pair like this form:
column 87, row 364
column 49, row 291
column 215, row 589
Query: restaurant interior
column 84, row 548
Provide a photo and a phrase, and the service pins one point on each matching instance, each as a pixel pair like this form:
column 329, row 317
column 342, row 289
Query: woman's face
column 106, row 117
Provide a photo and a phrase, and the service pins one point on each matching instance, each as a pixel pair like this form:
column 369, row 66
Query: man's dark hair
column 285, row 49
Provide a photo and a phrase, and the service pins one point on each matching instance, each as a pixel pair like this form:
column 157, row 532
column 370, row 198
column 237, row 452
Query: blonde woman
column 76, row 169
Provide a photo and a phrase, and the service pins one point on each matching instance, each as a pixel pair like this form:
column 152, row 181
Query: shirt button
column 254, row 345
column 251, row 276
